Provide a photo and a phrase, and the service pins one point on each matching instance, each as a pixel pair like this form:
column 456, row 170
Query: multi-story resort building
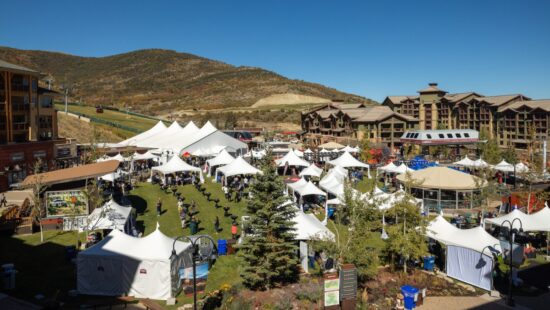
column 28, row 124
column 513, row 120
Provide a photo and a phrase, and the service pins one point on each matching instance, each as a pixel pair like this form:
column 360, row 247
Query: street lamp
column 511, row 236
column 195, row 241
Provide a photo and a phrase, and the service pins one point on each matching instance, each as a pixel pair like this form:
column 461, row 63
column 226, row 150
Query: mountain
column 156, row 81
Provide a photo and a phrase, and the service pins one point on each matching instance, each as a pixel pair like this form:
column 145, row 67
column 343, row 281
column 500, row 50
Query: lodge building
column 512, row 120
column 28, row 124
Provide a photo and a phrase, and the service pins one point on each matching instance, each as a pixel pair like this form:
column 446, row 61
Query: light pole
column 511, row 236
column 194, row 240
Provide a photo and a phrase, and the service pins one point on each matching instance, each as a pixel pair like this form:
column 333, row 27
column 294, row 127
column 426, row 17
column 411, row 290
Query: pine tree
column 269, row 251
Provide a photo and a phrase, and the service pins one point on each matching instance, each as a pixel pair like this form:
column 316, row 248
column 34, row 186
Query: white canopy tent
column 162, row 139
column 223, row 158
column 294, row 185
column 480, row 163
column 292, row 159
column 538, row 221
column 158, row 128
column 504, row 166
column 521, row 168
column 111, row 177
column 312, row 171
column 465, row 162
column 401, row 169
column 308, row 227
column 176, row 164
column 346, row 160
column 349, row 149
column 308, row 151
column 469, row 251
column 309, row 189
column 123, row 265
column 110, row 216
column 388, row 168
column 237, row 167
column 298, row 153
column 145, row 156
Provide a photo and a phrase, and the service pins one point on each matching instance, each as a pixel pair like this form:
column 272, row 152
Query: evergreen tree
column 269, row 251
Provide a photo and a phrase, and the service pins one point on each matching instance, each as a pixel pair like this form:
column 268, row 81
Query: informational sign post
column 348, row 286
column 332, row 291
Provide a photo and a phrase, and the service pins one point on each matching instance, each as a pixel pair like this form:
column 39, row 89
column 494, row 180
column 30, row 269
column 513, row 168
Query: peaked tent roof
column 465, row 162
column 312, row 170
column 480, row 163
column 298, row 153
column 308, row 227
column 145, row 156
column 308, row 151
column 292, row 159
column 158, row 128
column 294, row 185
column 444, row 178
column 504, row 166
column 349, row 149
column 173, row 136
column 309, row 189
column 110, row 216
column 401, row 169
column 388, row 168
column 476, row 238
column 238, row 166
column 347, row 160
column 209, row 137
column 223, row 158
column 521, row 167
column 153, row 141
column 528, row 222
column 155, row 246
column 175, row 164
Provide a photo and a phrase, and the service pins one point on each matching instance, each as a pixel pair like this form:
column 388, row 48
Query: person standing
column 234, row 229
column 4, row 201
column 217, row 224
column 193, row 226
column 159, row 207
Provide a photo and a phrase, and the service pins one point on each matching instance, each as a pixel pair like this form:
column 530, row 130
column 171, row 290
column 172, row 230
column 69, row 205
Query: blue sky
column 370, row 48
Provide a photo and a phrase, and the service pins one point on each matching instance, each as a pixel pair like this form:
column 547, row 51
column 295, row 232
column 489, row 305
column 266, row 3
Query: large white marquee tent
column 109, row 216
column 238, row 167
column 292, row 159
column 538, row 221
column 124, row 265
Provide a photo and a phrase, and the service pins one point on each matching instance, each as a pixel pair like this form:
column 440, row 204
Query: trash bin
column 222, row 247
column 8, row 276
column 409, row 294
column 331, row 212
column 429, row 263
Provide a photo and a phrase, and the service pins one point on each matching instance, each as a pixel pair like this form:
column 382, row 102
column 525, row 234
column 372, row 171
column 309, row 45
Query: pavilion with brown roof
column 73, row 174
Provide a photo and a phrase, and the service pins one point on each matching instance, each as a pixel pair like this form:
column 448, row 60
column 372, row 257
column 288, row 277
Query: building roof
column 325, row 113
column 42, row 90
column 400, row 99
column 500, row 100
column 377, row 113
column 4, row 65
column 345, row 106
column 72, row 174
column 454, row 98
column 443, row 178
column 543, row 104
column 432, row 88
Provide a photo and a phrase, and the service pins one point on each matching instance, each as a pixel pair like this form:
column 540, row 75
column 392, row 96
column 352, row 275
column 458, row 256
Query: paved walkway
column 485, row 302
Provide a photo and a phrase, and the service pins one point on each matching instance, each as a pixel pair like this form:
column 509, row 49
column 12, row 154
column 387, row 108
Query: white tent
column 529, row 222
column 312, row 170
column 465, row 162
column 298, row 153
column 111, row 177
column 401, row 169
column 388, row 168
column 504, row 166
column 308, row 227
column 349, row 149
column 476, row 239
column 294, row 185
column 223, row 158
column 207, row 138
column 158, row 128
column 175, row 164
column 521, row 168
column 308, row 151
column 118, row 157
column 109, row 216
column 325, row 152
column 468, row 252
column 162, row 139
column 346, row 160
column 123, row 265
column 309, row 189
column 237, row 167
column 480, row 163
column 292, row 159
column 145, row 156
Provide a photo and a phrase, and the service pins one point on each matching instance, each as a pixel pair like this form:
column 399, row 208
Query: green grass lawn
column 132, row 121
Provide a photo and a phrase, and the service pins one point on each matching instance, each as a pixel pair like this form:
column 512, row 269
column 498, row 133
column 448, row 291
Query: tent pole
column 456, row 200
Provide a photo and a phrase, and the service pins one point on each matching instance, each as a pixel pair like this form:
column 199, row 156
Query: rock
column 171, row 301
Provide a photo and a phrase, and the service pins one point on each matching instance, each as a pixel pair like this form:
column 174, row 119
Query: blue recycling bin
column 429, row 262
column 409, row 294
column 222, row 247
column 331, row 212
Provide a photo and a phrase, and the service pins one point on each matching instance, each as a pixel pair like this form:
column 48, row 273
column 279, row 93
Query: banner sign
column 66, row 204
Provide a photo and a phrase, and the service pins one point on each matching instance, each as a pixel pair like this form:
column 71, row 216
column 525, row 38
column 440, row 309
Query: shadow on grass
column 138, row 203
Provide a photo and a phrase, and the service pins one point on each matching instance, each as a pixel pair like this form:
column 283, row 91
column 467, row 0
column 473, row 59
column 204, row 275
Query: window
column 466, row 135
column 429, row 136
column 416, row 135
column 458, row 135
column 441, row 136
column 450, row 135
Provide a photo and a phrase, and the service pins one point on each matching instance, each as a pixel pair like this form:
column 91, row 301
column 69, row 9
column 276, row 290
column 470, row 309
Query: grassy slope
column 162, row 80
column 83, row 132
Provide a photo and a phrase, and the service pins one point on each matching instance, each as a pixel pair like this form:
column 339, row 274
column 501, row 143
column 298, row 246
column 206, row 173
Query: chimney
column 432, row 84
